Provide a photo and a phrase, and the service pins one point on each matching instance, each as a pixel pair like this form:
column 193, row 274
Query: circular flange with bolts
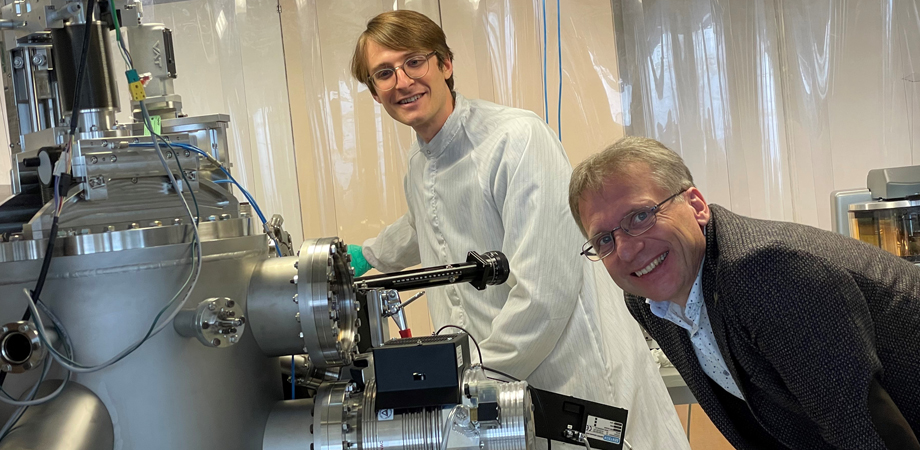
column 216, row 322
column 20, row 347
column 326, row 300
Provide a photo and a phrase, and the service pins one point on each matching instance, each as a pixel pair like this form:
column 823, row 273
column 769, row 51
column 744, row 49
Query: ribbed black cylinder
column 99, row 89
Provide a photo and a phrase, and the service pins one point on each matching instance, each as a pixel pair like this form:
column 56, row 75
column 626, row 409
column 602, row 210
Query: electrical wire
column 249, row 197
column 559, row 42
column 155, row 326
column 545, row 96
column 52, row 236
column 293, row 379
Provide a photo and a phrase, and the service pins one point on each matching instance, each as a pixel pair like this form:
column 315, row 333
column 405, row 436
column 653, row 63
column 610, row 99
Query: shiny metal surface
column 289, row 426
column 306, row 374
column 873, row 206
column 326, row 299
column 99, row 240
column 515, row 430
column 76, row 420
column 108, row 300
column 419, row 430
column 216, row 322
column 331, row 427
column 20, row 347
column 272, row 307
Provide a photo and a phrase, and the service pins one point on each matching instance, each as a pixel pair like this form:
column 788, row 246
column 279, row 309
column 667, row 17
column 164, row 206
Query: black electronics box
column 421, row 372
column 557, row 416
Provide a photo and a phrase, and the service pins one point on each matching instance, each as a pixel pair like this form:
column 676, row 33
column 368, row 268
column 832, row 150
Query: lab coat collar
column 451, row 127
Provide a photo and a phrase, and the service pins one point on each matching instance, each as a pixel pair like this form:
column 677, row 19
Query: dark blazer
column 805, row 319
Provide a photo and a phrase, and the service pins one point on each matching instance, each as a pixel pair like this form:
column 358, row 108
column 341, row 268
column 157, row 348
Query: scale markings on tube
column 604, row 430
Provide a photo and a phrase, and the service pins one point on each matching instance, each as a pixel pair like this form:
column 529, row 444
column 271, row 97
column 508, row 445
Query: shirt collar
column 447, row 132
column 689, row 317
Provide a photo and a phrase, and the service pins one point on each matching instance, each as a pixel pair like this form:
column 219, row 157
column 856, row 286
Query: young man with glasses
column 788, row 336
column 487, row 177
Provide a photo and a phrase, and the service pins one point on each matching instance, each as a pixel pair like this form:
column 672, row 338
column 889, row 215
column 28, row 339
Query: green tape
column 155, row 122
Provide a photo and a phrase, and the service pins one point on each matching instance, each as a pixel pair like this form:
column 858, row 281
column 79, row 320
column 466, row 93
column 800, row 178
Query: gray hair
column 668, row 170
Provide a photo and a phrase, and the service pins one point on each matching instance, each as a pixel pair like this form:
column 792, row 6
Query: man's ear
column 448, row 69
column 700, row 207
column 376, row 98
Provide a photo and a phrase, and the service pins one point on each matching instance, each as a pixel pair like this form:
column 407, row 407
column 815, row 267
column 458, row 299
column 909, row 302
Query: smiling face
column 425, row 103
column 662, row 263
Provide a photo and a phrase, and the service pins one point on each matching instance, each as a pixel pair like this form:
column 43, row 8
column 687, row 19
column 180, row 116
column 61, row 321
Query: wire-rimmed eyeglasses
column 414, row 67
column 635, row 223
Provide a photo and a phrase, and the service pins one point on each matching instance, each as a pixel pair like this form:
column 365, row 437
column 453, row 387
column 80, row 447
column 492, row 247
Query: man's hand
column 358, row 261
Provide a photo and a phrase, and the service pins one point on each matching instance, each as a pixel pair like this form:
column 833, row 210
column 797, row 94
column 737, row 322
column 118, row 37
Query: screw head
column 230, row 303
column 215, row 342
column 211, row 306
column 205, row 325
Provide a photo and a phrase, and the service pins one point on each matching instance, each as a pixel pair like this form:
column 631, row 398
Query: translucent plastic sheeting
column 352, row 155
column 230, row 60
column 774, row 104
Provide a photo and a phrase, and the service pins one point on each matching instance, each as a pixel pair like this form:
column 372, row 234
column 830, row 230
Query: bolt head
column 230, row 303
column 205, row 325
column 211, row 306
column 6, row 368
column 215, row 342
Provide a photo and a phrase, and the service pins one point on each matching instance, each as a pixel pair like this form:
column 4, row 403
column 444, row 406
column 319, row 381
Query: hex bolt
column 114, row 158
column 177, row 221
column 224, row 216
column 295, row 298
column 211, row 306
column 110, row 228
column 38, row 60
column 133, row 226
column 233, row 339
column 212, row 218
column 18, row 62
column 93, row 159
column 134, row 180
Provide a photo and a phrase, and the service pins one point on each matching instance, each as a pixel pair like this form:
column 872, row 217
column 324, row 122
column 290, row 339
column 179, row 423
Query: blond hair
column 668, row 170
column 400, row 30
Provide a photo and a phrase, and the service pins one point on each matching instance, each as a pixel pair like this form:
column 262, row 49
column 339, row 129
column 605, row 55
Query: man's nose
column 402, row 81
column 627, row 246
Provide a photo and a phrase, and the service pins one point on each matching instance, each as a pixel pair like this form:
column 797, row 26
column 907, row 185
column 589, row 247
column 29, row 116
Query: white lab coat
column 496, row 178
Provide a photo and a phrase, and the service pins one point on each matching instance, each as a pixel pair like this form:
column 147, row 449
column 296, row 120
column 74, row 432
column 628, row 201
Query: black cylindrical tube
column 99, row 88
column 479, row 270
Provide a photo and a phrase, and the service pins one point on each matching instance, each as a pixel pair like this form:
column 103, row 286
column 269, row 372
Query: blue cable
column 545, row 96
column 293, row 377
column 252, row 201
column 559, row 39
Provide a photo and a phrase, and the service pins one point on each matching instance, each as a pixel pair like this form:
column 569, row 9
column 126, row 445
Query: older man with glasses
column 487, row 177
column 789, row 336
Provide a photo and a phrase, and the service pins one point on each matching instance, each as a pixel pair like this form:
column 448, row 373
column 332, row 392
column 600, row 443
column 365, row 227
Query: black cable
column 500, row 373
column 74, row 115
column 468, row 333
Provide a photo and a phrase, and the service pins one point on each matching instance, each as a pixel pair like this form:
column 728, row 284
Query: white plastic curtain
column 774, row 104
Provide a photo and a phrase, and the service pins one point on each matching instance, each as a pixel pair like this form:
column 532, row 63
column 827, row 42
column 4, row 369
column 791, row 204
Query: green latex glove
column 357, row 260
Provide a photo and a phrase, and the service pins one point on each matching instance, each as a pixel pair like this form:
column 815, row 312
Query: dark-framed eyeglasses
column 414, row 67
column 635, row 223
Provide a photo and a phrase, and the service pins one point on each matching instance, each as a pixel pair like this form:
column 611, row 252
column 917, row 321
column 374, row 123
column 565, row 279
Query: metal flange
column 328, row 311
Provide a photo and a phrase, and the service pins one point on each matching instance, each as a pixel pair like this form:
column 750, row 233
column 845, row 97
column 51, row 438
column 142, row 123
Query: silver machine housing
column 124, row 246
